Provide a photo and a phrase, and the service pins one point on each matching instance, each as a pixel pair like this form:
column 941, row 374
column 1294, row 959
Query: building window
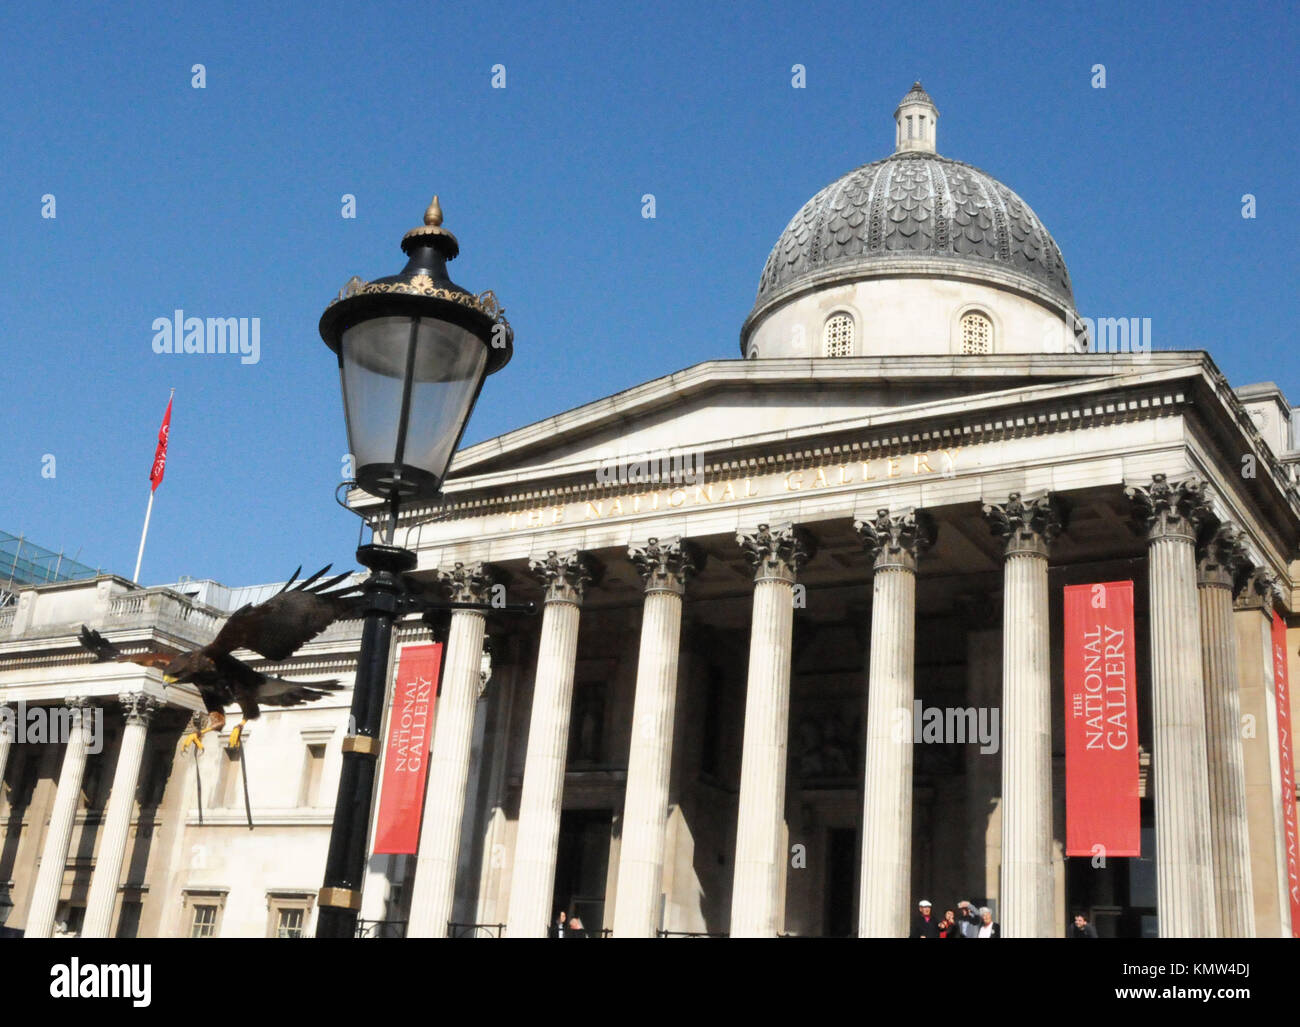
column 204, row 921
column 837, row 338
column 289, row 913
column 313, row 770
column 202, row 915
column 976, row 333
column 128, row 923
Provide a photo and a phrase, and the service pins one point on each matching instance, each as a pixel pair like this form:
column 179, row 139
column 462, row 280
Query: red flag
column 1101, row 757
column 160, row 454
column 406, row 764
column 1282, row 690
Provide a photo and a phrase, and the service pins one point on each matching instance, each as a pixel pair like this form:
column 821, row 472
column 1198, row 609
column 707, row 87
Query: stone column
column 664, row 564
column 7, row 727
column 1221, row 570
column 777, row 553
column 895, row 542
column 138, row 710
column 1027, row 888
column 54, row 854
column 449, row 757
column 565, row 577
column 1171, row 513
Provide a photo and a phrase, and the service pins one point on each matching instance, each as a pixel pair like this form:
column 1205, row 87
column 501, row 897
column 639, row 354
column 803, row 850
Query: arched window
column 837, row 337
column 976, row 333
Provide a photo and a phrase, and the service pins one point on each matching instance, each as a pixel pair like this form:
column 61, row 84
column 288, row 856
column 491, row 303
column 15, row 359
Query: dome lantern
column 917, row 122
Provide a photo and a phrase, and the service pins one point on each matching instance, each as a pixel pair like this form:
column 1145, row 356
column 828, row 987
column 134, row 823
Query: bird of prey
column 275, row 629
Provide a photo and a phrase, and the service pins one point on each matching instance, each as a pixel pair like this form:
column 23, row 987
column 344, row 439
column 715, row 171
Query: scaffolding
column 22, row 562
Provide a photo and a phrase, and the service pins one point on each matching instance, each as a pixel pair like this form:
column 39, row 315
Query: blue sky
column 225, row 201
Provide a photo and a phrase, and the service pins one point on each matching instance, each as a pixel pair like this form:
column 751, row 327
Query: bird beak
column 170, row 679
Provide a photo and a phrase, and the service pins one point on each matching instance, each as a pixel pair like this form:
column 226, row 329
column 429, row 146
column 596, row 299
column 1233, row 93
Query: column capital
column 566, row 575
column 470, row 582
column 897, row 540
column 1170, row 509
column 777, row 551
column 1221, row 560
column 1260, row 591
column 138, row 707
column 666, row 563
column 1029, row 524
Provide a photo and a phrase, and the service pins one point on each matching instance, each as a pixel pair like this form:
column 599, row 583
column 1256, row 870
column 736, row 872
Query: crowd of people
column 968, row 922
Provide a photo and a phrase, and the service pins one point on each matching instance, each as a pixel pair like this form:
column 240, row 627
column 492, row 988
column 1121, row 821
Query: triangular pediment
column 721, row 406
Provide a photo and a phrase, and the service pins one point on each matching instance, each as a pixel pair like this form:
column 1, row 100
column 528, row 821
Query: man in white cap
column 924, row 924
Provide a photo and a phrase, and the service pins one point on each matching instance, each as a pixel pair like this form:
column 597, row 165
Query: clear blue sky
column 225, row 201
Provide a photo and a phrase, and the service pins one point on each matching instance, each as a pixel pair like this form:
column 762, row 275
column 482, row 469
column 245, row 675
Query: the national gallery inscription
column 940, row 462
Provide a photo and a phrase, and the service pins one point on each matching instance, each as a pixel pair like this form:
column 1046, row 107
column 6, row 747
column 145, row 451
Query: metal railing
column 455, row 930
column 381, row 929
column 690, row 934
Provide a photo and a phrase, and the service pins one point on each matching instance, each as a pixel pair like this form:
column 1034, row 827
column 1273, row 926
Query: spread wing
column 105, row 651
column 276, row 691
column 278, row 627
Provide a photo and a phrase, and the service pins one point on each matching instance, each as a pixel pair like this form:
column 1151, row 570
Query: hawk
column 274, row 629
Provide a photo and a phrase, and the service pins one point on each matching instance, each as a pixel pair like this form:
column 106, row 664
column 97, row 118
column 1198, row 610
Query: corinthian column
column 138, row 710
column 894, row 542
column 664, row 564
column 777, row 552
column 54, row 854
column 1171, row 513
column 453, row 734
column 1221, row 571
column 565, row 576
column 1027, row 895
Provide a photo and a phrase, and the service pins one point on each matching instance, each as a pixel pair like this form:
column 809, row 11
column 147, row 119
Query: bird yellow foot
column 193, row 738
column 234, row 736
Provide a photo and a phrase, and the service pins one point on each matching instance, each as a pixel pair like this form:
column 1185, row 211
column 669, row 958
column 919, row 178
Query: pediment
column 721, row 406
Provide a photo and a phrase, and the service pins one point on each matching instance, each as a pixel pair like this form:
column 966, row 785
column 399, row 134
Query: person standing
column 561, row 926
column 924, row 924
column 1081, row 928
column 987, row 928
column 968, row 920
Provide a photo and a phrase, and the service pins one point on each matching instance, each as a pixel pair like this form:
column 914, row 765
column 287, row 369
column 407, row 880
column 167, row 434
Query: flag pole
column 135, row 578
column 153, row 487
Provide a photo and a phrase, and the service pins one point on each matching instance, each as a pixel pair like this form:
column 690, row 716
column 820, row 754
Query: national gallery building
column 802, row 652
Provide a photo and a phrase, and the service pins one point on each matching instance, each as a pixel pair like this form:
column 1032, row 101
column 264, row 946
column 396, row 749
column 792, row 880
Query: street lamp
column 413, row 350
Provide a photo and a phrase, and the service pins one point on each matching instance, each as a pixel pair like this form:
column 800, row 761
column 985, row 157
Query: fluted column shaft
column 1184, row 871
column 434, row 889
column 1219, row 565
column 100, row 903
column 664, row 565
column 537, row 841
column 54, row 854
column 1027, row 886
column 6, row 741
column 884, row 895
column 777, row 552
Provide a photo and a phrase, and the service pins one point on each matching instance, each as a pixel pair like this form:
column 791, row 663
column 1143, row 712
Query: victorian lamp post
column 413, row 351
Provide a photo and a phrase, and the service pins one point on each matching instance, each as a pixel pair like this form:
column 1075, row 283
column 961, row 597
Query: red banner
column 160, row 453
column 1101, row 743
column 406, row 758
column 1282, row 689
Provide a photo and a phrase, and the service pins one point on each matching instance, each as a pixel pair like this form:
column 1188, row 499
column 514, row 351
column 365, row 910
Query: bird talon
column 235, row 736
column 193, row 738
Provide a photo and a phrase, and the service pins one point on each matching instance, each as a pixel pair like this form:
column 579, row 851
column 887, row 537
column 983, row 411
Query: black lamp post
column 414, row 350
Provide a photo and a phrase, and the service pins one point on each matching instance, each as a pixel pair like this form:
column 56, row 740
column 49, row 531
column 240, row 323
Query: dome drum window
column 837, row 336
column 976, row 334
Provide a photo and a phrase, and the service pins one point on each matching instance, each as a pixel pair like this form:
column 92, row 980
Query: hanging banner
column 1282, row 687
column 406, row 757
column 1101, row 744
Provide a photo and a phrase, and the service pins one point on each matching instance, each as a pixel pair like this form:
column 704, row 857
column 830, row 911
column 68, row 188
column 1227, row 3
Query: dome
column 915, row 212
